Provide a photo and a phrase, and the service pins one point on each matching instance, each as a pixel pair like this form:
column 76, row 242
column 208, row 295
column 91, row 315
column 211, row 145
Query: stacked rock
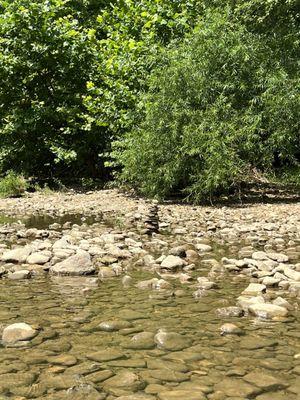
column 152, row 220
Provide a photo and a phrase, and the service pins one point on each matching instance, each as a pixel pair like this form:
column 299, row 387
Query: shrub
column 223, row 102
column 12, row 185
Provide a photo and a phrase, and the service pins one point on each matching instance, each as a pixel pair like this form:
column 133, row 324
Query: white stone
column 254, row 289
column 279, row 257
column 173, row 262
column 267, row 310
column 203, row 247
column 18, row 332
column 18, row 255
column 79, row 264
column 38, row 258
column 259, row 256
column 293, row 275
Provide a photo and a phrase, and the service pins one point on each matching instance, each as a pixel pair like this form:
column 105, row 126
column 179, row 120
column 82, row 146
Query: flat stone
column 279, row 257
column 292, row 274
column 269, row 281
column 265, row 381
column 78, row 264
column 251, row 343
column 260, row 256
column 181, row 395
column 136, row 396
column 114, row 325
column 158, row 363
column 63, row 359
column 99, row 376
column 276, row 396
column 173, row 262
column 132, row 315
column 18, row 255
column 268, row 311
column 230, row 312
column 167, row 375
column 9, row 381
column 279, row 301
column 233, row 387
column 230, row 329
column 141, row 341
column 125, row 380
column 171, row 341
column 106, row 272
column 18, row 332
column 38, row 258
column 254, row 289
column 245, row 301
column 203, row 248
column 21, row 274
column 105, row 355
column 132, row 363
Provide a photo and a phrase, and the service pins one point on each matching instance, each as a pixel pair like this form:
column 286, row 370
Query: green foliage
column 46, row 58
column 134, row 32
column 12, row 185
column 76, row 96
column 223, row 102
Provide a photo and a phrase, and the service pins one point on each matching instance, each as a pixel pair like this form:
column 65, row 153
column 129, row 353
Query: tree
column 46, row 58
column 134, row 34
column 224, row 101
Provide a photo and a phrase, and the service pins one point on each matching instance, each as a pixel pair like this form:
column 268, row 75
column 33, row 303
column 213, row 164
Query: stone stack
column 152, row 220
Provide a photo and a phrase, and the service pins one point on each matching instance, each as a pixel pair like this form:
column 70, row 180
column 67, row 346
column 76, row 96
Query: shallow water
column 69, row 322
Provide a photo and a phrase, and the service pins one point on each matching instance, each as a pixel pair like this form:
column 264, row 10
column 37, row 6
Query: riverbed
column 207, row 308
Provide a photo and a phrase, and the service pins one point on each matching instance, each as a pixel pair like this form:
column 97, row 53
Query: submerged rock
column 171, row 341
column 21, row 274
column 126, row 381
column 141, row 341
column 230, row 312
column 181, row 395
column 230, row 329
column 114, row 325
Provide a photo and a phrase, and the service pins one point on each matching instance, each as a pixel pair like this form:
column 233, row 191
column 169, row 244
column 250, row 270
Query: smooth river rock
column 18, row 332
column 171, row 341
column 268, row 311
column 18, row 255
column 78, row 264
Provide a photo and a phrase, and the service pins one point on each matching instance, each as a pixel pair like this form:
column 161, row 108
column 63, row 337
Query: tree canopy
column 171, row 95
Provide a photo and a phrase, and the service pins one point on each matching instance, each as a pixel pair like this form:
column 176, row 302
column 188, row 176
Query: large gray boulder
column 78, row 264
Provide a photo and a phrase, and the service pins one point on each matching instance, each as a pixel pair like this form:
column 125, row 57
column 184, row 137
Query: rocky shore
column 169, row 253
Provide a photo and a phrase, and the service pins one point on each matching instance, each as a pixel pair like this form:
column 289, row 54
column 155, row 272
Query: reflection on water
column 42, row 221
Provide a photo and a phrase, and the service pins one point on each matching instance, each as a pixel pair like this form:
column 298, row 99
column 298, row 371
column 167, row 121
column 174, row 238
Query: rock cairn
column 152, row 220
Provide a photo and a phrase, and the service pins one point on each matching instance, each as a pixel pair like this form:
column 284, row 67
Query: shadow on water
column 45, row 220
